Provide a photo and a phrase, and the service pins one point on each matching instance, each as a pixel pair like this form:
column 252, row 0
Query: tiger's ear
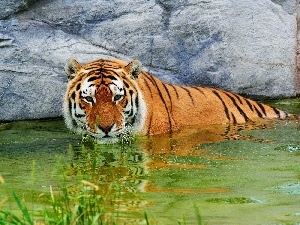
column 71, row 68
column 134, row 68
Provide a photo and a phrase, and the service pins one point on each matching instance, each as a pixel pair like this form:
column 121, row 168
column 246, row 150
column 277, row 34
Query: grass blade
column 96, row 219
column 23, row 209
column 146, row 218
column 12, row 217
column 198, row 215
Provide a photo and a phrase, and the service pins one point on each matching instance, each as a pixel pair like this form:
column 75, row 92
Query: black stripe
column 189, row 93
column 224, row 105
column 126, row 102
column 168, row 93
column 246, row 118
column 227, row 131
column 131, row 115
column 109, row 77
column 151, row 116
column 133, row 120
column 74, row 123
column 253, row 108
column 258, row 112
column 286, row 114
column 92, row 79
column 249, row 104
column 149, row 77
column 73, row 95
column 174, row 87
column 70, row 107
column 233, row 117
column 126, row 84
column 81, row 106
column 261, row 106
column 75, row 113
column 80, row 78
column 113, row 72
column 238, row 97
column 79, row 115
column 131, row 110
column 150, row 122
column 137, row 100
column 93, row 67
column 198, row 89
column 277, row 112
column 148, row 86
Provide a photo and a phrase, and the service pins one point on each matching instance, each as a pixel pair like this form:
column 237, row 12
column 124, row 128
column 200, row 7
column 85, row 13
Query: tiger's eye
column 117, row 97
column 89, row 99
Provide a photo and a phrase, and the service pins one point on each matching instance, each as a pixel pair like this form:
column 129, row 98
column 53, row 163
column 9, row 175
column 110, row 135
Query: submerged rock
column 293, row 189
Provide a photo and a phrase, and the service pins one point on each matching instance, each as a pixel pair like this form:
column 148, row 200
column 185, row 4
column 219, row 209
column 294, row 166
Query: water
column 246, row 174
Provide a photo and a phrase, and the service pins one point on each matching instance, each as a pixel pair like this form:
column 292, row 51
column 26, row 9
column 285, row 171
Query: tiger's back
column 105, row 97
column 172, row 106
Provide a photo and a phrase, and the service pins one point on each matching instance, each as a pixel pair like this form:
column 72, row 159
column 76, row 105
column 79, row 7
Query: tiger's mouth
column 107, row 136
column 113, row 137
column 116, row 136
column 104, row 139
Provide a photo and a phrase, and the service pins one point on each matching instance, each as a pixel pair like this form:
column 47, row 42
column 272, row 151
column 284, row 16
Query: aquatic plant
column 82, row 193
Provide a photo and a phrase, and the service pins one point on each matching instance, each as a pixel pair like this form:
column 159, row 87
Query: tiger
column 108, row 97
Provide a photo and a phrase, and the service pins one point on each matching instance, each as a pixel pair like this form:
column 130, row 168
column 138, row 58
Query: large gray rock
column 11, row 7
column 243, row 46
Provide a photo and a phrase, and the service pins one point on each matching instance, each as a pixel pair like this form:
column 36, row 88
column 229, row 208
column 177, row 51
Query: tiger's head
column 103, row 98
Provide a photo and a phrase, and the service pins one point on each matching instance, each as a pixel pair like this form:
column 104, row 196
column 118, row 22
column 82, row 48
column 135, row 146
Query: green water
column 231, row 174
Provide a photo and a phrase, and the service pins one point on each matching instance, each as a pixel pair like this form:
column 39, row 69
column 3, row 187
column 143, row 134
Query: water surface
column 243, row 174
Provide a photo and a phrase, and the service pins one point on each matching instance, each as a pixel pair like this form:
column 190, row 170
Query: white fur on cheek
column 67, row 115
column 88, row 89
column 141, row 113
column 117, row 87
column 73, row 113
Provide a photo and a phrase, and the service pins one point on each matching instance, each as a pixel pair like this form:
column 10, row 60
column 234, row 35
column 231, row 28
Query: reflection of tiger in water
column 106, row 97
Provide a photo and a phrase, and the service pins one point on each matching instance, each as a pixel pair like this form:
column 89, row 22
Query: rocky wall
column 244, row 46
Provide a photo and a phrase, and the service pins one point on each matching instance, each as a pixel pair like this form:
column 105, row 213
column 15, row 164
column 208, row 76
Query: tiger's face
column 103, row 99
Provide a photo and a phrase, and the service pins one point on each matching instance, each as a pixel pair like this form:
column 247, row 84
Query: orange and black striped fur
column 108, row 97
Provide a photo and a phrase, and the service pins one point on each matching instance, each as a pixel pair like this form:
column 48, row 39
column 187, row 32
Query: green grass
column 83, row 194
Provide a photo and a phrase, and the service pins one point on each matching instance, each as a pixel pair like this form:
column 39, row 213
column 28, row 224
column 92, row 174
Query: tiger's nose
column 106, row 129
